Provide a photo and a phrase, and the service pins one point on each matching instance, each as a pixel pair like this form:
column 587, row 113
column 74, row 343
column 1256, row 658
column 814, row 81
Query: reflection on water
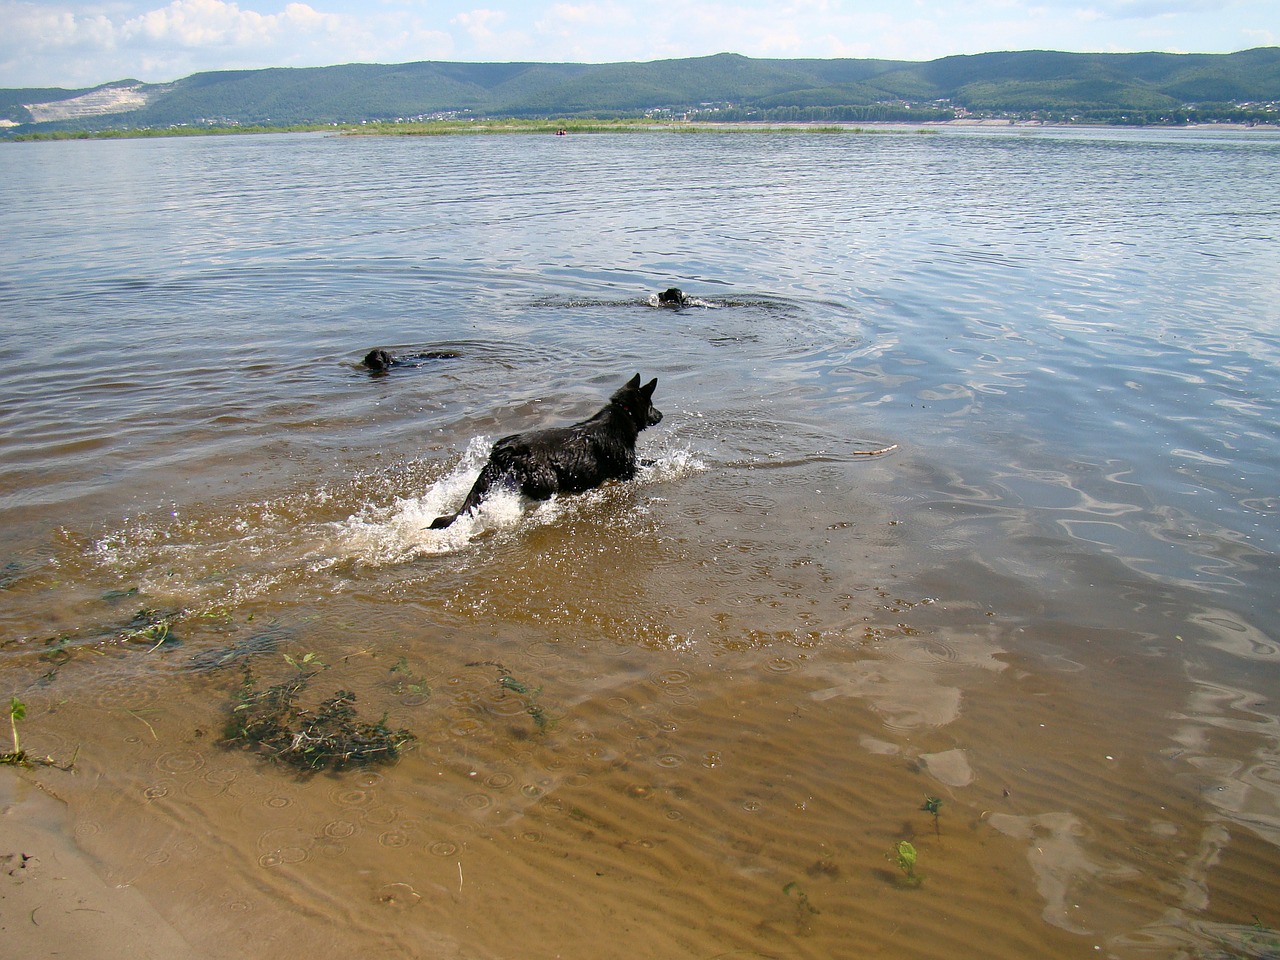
column 686, row 715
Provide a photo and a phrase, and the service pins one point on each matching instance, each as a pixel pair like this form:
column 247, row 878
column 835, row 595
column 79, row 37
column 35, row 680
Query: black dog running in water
column 541, row 463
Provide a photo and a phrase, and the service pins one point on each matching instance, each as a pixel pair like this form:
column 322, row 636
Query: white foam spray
column 401, row 531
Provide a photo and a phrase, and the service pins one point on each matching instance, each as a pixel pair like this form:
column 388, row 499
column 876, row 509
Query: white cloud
column 1259, row 38
column 582, row 13
column 203, row 23
column 591, row 32
column 480, row 24
column 53, row 45
column 489, row 38
column 28, row 25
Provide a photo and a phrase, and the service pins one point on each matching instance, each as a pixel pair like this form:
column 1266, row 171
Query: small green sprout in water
column 410, row 683
column 305, row 662
column 220, row 614
column 506, row 681
column 932, row 805
column 1265, row 942
column 17, row 711
column 904, row 855
column 56, row 650
column 531, row 707
column 20, row 757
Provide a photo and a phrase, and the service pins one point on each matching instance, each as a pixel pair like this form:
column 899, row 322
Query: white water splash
column 671, row 463
column 688, row 302
column 402, row 531
column 380, row 535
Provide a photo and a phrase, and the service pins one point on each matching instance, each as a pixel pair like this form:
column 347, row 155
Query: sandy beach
column 53, row 903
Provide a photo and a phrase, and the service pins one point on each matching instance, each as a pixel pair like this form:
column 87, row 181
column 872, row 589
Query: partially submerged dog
column 380, row 361
column 572, row 459
column 672, row 297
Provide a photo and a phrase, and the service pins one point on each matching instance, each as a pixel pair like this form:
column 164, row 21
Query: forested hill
column 1140, row 87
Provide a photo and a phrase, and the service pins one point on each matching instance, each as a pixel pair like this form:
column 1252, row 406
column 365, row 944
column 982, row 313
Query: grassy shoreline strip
column 439, row 128
column 445, row 128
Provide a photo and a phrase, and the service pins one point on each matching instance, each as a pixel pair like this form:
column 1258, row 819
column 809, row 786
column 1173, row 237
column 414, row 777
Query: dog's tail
column 439, row 523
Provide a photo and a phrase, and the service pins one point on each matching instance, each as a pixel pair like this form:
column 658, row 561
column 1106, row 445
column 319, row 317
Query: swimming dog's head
column 672, row 297
column 638, row 402
column 378, row 360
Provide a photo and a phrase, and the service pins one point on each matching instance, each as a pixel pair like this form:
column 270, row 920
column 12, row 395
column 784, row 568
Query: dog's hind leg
column 474, row 496
column 439, row 523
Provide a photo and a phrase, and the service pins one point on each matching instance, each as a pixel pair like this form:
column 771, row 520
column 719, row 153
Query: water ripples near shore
column 963, row 498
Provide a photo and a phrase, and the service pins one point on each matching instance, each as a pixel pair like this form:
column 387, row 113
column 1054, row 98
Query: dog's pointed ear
column 634, row 382
column 648, row 388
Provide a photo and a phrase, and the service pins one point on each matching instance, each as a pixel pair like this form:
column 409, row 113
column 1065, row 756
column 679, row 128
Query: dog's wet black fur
column 572, row 459
column 673, row 297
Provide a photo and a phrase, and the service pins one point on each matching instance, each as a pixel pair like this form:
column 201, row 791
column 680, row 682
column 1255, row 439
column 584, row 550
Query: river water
column 694, row 714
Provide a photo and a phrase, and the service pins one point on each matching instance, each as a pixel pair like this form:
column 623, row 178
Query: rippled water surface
column 689, row 715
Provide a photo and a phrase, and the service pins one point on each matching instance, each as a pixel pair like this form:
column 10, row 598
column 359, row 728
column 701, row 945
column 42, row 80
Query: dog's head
column 638, row 402
column 378, row 360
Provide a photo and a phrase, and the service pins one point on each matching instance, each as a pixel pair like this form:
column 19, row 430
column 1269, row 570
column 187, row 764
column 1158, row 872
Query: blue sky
column 71, row 44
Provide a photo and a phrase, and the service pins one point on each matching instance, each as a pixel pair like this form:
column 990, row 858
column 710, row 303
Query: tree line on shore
column 1147, row 88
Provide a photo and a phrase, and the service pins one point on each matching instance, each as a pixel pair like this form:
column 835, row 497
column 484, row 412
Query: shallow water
column 688, row 715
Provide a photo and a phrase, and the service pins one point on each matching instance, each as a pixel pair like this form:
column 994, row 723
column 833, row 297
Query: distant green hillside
column 1145, row 87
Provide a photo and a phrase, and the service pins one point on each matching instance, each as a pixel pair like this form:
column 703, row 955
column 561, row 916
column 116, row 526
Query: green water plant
column 19, row 757
column 803, row 906
column 305, row 662
column 805, row 911
column 531, row 705
column 528, row 694
column 933, row 805
column 330, row 735
column 151, row 626
column 17, row 711
column 409, row 682
column 904, row 855
column 1254, row 941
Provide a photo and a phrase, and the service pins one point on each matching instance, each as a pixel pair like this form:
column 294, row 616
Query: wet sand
column 53, row 899
column 637, row 760
column 677, row 803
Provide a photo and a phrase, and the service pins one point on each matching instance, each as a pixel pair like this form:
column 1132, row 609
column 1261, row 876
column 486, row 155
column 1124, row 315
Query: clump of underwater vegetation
column 330, row 735
column 801, row 910
column 804, row 909
column 152, row 627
